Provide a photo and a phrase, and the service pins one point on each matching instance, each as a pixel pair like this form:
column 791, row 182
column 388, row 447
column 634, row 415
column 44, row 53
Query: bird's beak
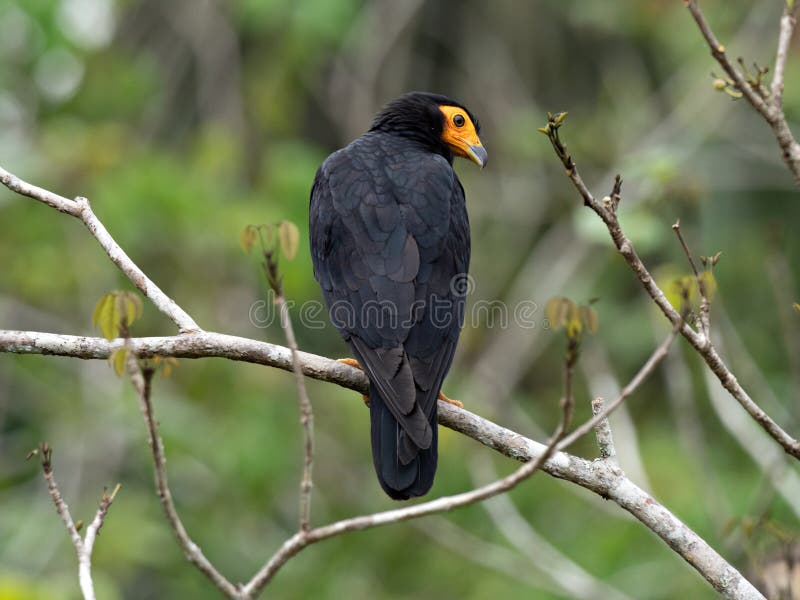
column 477, row 154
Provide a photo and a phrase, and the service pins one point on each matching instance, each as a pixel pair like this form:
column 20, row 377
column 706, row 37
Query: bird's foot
column 444, row 398
column 352, row 362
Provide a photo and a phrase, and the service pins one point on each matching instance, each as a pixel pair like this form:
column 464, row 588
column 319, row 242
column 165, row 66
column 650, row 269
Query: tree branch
column 306, row 414
column 788, row 22
column 599, row 477
column 602, row 431
column 81, row 209
column 607, row 211
column 647, row 369
column 85, row 546
column 191, row 345
column 141, row 380
column 447, row 503
column 705, row 305
column 772, row 110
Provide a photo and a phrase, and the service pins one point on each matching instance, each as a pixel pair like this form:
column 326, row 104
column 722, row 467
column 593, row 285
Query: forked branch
column 83, row 546
column 768, row 105
column 599, row 477
column 607, row 211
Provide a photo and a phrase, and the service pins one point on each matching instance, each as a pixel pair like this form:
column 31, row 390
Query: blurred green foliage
column 184, row 121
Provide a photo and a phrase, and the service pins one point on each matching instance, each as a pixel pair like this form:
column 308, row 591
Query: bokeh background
column 184, row 121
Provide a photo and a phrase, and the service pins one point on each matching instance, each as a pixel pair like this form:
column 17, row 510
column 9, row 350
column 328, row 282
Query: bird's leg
column 444, row 398
column 352, row 362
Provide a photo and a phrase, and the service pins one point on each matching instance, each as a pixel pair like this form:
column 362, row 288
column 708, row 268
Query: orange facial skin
column 460, row 135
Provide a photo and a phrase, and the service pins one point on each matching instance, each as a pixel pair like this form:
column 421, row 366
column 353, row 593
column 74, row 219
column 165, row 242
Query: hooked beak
column 477, row 154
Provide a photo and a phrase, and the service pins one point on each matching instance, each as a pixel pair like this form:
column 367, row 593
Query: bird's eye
column 459, row 121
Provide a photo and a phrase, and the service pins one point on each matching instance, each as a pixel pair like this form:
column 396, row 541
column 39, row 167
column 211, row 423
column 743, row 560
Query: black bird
column 390, row 245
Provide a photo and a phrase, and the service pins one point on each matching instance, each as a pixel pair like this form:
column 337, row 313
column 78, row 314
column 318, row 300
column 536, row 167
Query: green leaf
column 100, row 316
column 248, row 237
column 558, row 311
column 796, row 307
column 117, row 360
column 105, row 316
column 709, row 284
column 115, row 312
column 289, row 238
column 99, row 308
column 589, row 319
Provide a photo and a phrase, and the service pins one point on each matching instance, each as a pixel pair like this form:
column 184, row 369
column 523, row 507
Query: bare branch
column 705, row 306
column 306, row 415
column 602, row 431
column 99, row 518
column 601, row 478
column 607, row 211
column 85, row 546
column 788, row 22
column 304, row 539
column 61, row 204
column 141, row 380
column 46, row 456
column 647, row 369
column 598, row 477
column 772, row 110
column 191, row 345
column 81, row 209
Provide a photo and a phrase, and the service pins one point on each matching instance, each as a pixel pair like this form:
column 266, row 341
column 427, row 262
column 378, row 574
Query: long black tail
column 403, row 469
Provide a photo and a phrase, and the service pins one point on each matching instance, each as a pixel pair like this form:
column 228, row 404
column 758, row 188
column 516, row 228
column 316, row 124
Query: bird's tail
column 404, row 470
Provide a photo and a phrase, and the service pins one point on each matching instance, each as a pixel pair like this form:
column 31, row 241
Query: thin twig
column 771, row 110
column 141, row 380
column 85, row 546
column 99, row 518
column 46, row 455
column 602, row 431
column 302, row 539
column 306, row 415
column 705, row 305
column 81, row 209
column 607, row 211
column 788, row 22
column 644, row 372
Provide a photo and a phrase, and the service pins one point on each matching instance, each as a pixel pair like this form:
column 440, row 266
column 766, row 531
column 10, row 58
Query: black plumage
column 389, row 242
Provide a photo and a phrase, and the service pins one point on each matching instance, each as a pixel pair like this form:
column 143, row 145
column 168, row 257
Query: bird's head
column 438, row 122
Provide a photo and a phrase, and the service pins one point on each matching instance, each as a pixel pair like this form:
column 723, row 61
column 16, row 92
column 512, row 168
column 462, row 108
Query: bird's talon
column 444, row 398
column 350, row 362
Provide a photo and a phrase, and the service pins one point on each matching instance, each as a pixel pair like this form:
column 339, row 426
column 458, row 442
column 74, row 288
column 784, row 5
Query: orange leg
column 354, row 363
column 444, row 398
